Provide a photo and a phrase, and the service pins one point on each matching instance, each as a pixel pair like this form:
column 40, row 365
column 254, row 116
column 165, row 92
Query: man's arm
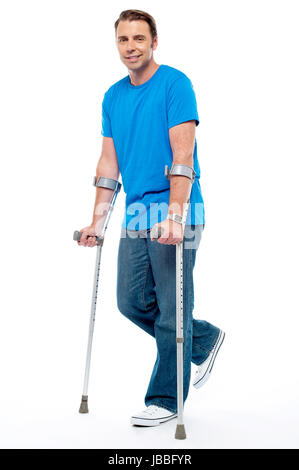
column 182, row 141
column 108, row 167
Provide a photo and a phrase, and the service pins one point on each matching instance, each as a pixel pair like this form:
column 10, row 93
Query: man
column 148, row 121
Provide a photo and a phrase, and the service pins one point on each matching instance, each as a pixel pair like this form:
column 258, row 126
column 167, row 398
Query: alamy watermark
column 138, row 219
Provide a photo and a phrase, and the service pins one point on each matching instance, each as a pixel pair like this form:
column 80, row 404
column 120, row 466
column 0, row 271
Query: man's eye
column 138, row 39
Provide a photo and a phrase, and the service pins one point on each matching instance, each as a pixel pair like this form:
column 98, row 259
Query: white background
column 57, row 60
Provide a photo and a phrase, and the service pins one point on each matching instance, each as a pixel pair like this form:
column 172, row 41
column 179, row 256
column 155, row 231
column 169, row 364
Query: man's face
column 134, row 43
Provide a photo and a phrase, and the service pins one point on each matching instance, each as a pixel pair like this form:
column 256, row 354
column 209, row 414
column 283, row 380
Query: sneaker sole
column 203, row 380
column 135, row 421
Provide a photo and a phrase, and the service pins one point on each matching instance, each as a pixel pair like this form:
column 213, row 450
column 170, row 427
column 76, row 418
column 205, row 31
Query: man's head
column 136, row 38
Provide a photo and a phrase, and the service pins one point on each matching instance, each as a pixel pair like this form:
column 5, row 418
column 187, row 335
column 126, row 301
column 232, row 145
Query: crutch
column 182, row 170
column 115, row 186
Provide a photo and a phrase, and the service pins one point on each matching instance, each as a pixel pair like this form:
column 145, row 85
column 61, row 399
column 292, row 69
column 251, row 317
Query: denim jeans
column 146, row 295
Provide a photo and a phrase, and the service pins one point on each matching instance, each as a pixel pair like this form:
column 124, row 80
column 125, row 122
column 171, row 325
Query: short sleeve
column 106, row 123
column 181, row 106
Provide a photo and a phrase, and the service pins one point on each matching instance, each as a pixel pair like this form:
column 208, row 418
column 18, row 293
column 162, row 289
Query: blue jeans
column 146, row 295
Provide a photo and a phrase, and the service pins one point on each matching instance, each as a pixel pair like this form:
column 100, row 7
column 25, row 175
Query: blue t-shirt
column 138, row 118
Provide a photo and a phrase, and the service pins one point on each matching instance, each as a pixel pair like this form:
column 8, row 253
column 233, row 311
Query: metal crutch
column 182, row 170
column 180, row 432
column 115, row 186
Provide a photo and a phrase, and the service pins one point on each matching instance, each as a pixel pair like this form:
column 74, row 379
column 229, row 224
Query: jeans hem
column 160, row 404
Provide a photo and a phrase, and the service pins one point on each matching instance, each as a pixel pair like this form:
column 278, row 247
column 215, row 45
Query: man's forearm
column 103, row 195
column 180, row 189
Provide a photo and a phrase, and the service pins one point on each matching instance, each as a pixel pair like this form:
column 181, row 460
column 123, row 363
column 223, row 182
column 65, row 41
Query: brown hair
column 131, row 15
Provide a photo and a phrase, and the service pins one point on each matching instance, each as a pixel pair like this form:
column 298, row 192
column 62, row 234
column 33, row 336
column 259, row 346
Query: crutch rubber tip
column 180, row 432
column 84, row 404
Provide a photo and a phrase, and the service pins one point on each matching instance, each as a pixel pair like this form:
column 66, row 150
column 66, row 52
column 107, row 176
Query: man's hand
column 172, row 232
column 88, row 237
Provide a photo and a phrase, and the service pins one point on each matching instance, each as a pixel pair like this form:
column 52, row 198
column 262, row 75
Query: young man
column 148, row 121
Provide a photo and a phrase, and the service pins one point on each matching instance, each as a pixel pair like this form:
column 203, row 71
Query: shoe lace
column 151, row 409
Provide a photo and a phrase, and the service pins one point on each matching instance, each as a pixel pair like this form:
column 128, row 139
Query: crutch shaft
column 115, row 186
column 180, row 430
column 92, row 319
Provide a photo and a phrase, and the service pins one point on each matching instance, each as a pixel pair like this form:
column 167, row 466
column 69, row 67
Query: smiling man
column 149, row 119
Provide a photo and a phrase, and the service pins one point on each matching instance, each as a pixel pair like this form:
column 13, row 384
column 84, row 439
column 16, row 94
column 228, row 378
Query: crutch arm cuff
column 178, row 169
column 108, row 183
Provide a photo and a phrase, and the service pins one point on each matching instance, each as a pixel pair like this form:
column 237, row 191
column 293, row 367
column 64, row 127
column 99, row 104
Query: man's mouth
column 133, row 58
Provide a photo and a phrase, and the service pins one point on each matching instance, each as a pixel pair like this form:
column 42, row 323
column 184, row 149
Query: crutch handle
column 156, row 232
column 77, row 236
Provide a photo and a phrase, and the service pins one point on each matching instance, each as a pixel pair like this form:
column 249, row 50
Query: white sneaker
column 204, row 370
column 152, row 416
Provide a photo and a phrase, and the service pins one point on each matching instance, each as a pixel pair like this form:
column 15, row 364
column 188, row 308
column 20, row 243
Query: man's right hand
column 88, row 237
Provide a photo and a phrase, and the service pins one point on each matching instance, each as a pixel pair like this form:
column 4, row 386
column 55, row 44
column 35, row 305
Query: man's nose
column 130, row 45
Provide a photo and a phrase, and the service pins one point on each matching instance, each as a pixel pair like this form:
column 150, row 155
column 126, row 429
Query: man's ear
column 155, row 43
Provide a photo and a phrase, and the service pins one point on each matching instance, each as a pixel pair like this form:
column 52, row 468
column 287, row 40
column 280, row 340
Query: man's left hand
column 172, row 232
